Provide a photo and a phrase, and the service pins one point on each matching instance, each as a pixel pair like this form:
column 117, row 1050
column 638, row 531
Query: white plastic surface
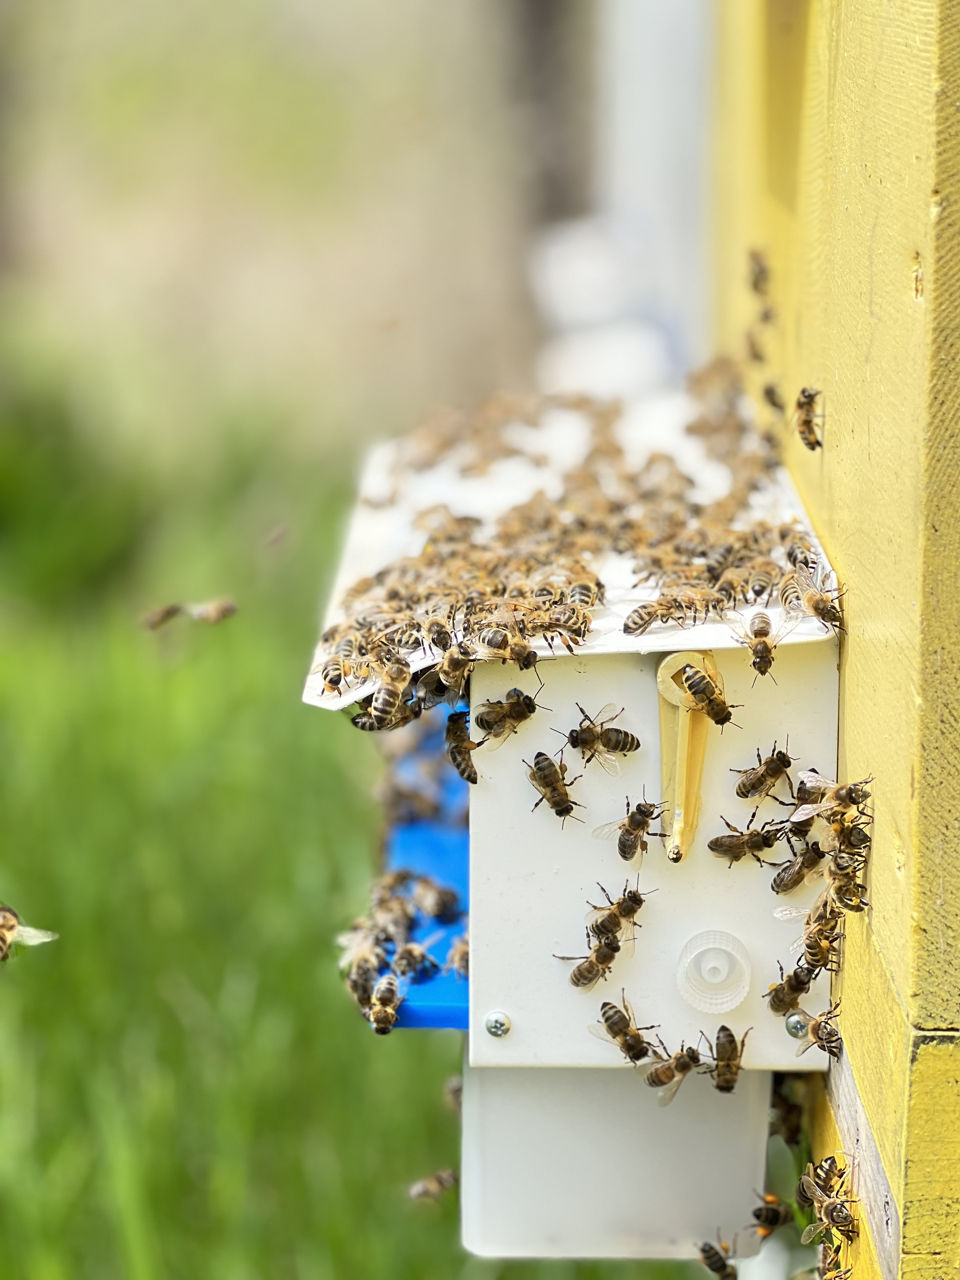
column 531, row 879
column 586, row 1164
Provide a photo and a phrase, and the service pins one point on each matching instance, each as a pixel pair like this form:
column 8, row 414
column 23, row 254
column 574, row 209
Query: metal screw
column 675, row 854
column 796, row 1024
column 497, row 1024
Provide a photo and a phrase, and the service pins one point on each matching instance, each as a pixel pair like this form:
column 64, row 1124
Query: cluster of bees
column 383, row 941
column 490, row 590
column 823, row 1189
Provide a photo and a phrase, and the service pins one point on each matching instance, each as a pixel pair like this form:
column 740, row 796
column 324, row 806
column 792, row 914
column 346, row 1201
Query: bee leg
column 731, row 827
column 539, row 803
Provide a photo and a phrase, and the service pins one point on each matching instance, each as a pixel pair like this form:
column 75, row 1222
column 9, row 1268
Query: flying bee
column 832, row 1212
column 549, row 778
column 594, row 966
column 784, row 996
column 759, row 638
column 800, row 594
column 750, row 841
column 14, row 932
column 500, row 720
column 760, row 781
column 770, row 1214
column 806, row 417
column 826, row 796
column 670, row 1073
column 717, row 1260
column 598, row 741
column 727, row 1057
column 458, row 746
column 631, row 832
column 384, row 1008
column 706, row 694
column 458, row 957
column 793, row 872
column 618, row 1024
column 435, row 1186
column 414, row 961
column 822, row 1033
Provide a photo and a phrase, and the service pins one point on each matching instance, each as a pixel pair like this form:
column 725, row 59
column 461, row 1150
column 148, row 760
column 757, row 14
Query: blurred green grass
column 186, row 1091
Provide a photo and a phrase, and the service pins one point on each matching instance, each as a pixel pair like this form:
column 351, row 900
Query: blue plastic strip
column 439, row 849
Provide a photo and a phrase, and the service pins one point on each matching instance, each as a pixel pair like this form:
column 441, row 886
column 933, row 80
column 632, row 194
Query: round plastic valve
column 713, row 973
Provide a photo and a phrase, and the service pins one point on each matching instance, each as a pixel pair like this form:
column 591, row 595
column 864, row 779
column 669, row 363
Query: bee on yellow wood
column 800, row 594
column 806, row 417
column 832, row 1212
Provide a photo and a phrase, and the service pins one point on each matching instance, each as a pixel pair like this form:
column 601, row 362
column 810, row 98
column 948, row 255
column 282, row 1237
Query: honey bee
column 631, row 832
column 414, row 961
column 771, row 1214
column 157, row 618
column 505, row 644
column 759, row 273
column 822, row 1033
column 14, row 932
column 362, row 957
column 210, row 611
column 751, row 841
column 784, row 996
column 435, row 1186
column 829, row 1266
column 717, row 1260
column 594, row 966
column 610, row 921
column 389, row 693
column 759, row 638
column 598, row 741
column 760, row 781
column 458, row 957
column 392, row 920
column 806, row 417
column 458, row 746
column 453, row 1092
column 799, row 593
column 763, row 577
column 821, row 942
column 706, row 694
column 586, row 592
column 827, row 1175
column 793, row 872
column 500, row 720
column 727, row 1057
column 774, row 399
column 827, row 797
column 405, row 714
column 388, row 996
column 435, row 901
column 844, row 891
column 832, row 1212
column 670, row 1073
column 664, row 609
column 445, row 682
column 549, row 778
column 618, row 1024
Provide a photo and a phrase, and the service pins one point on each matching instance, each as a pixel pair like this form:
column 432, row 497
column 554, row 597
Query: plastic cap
column 713, row 973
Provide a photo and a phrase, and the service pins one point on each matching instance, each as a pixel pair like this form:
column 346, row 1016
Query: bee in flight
column 757, row 783
column 727, row 1057
column 770, row 1214
column 631, row 832
column 14, row 932
column 435, row 1186
column 618, row 1025
column 717, row 1260
column 598, row 741
column 594, row 966
column 210, row 611
column 670, row 1073
column 549, row 778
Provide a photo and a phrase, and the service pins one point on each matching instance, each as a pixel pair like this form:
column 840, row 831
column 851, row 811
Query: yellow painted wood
column 860, row 1254
column 838, row 155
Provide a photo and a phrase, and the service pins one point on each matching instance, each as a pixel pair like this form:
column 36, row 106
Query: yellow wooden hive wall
column 837, row 154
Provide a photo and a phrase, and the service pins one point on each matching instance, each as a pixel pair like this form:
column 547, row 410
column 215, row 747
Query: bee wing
column 809, row 811
column 600, row 1031
column 788, row 624
column 608, row 830
column 607, row 760
column 805, row 579
column 810, row 1233
column 432, row 941
column 628, row 942
column 494, row 741
column 28, row 937
column 609, row 712
column 735, row 622
column 403, row 986
column 791, row 913
column 628, row 1010
column 811, row 778
column 669, row 1091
